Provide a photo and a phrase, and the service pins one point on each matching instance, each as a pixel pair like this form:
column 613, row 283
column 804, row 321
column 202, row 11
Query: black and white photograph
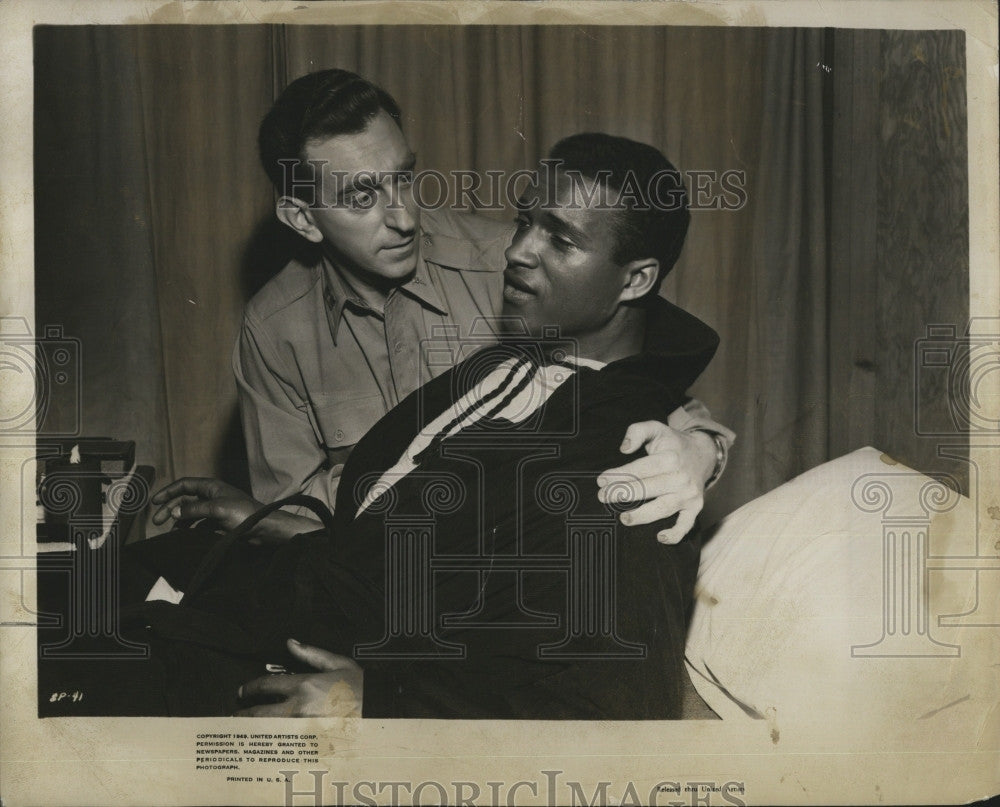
column 500, row 403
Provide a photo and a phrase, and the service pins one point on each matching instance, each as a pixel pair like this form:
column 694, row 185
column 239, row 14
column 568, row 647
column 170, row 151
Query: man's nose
column 400, row 212
column 522, row 250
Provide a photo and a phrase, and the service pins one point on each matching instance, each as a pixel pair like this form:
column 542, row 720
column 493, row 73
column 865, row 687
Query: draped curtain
column 154, row 220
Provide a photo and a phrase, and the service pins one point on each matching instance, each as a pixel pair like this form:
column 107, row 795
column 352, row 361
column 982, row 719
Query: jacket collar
column 677, row 348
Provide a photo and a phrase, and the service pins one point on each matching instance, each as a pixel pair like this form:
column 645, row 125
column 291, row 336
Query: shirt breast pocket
column 342, row 423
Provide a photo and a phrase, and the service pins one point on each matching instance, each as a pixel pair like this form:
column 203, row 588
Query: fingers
column 663, row 507
column 188, row 508
column 638, row 434
column 655, row 436
column 631, row 490
column 685, row 521
column 193, row 509
column 186, row 486
column 180, row 492
column 654, row 510
column 173, row 508
column 641, row 470
column 193, row 498
column 337, row 693
column 319, row 658
column 269, row 686
column 642, row 467
column 161, row 515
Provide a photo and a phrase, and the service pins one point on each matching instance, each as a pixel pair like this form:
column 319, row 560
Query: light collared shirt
column 316, row 367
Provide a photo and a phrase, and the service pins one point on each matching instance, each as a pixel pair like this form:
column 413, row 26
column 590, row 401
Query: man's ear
column 640, row 278
column 296, row 214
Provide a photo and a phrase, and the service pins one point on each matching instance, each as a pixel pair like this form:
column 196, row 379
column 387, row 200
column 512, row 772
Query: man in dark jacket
column 472, row 577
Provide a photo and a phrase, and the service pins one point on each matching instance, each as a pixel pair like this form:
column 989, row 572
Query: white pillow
column 793, row 584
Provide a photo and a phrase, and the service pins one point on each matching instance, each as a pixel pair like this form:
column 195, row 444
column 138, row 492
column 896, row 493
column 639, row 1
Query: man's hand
column 192, row 498
column 673, row 475
column 337, row 691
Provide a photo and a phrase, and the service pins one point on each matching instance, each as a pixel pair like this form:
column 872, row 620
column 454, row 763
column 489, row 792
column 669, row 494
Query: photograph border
column 125, row 761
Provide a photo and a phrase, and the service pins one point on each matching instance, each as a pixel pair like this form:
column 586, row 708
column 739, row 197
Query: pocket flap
column 344, row 423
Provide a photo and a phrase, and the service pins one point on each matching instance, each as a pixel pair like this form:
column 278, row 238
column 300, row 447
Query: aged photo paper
column 841, row 166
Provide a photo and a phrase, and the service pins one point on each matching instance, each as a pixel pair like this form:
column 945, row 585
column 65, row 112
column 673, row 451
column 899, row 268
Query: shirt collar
column 422, row 289
column 581, row 361
column 337, row 293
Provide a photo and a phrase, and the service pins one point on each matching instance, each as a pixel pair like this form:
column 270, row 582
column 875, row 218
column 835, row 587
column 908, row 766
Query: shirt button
column 339, row 435
column 427, row 239
column 398, row 347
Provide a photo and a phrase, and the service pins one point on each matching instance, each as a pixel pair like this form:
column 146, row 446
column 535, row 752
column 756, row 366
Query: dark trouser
column 98, row 657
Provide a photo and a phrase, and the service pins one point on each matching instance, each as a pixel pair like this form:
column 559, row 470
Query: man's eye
column 561, row 243
column 522, row 222
column 404, row 177
column 364, row 198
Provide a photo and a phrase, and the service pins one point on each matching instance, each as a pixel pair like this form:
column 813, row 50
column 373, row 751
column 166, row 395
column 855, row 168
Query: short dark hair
column 655, row 216
column 317, row 106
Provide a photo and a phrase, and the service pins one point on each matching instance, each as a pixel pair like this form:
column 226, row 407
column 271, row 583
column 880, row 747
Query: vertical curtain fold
column 95, row 233
column 207, row 190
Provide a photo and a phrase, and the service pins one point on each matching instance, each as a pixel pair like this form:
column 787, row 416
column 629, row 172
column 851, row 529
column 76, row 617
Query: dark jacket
column 510, row 550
